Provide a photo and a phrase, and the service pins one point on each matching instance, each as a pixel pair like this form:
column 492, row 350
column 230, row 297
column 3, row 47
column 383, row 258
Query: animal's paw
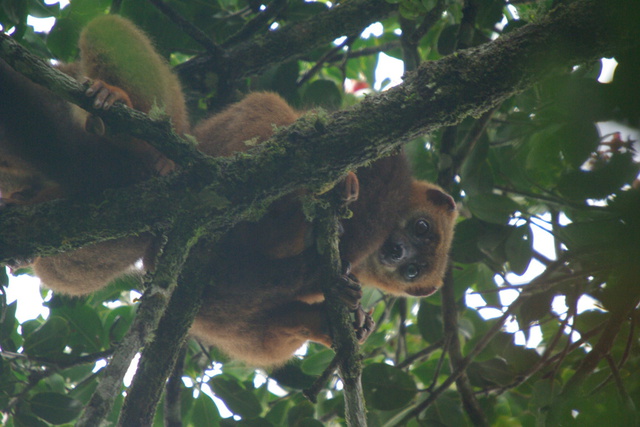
column 350, row 291
column 363, row 324
column 105, row 95
column 349, row 188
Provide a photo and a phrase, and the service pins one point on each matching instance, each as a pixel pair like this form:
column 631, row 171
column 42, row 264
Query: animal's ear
column 440, row 198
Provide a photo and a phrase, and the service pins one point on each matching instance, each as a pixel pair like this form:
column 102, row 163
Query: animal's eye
column 421, row 227
column 411, row 271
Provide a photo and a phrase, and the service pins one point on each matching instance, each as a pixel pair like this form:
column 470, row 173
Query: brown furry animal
column 266, row 303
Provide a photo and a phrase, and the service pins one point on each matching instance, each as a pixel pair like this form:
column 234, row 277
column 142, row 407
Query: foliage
column 537, row 168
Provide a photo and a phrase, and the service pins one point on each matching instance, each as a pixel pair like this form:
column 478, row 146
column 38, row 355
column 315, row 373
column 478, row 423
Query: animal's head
column 413, row 259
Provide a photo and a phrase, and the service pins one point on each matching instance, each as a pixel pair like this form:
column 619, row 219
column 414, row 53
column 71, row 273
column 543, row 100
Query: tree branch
column 153, row 305
column 158, row 358
column 340, row 323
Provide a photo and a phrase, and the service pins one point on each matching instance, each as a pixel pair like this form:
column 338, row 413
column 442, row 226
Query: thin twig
column 188, row 28
column 320, row 63
column 256, row 24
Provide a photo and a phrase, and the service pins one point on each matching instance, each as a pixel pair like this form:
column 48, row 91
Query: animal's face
column 413, row 259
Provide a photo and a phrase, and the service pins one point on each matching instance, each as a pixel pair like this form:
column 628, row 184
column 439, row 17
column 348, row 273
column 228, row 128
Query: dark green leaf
column 278, row 413
column 55, row 408
column 490, row 373
column 446, row 411
column 317, row 363
column 448, row 39
column 302, row 411
column 492, row 208
column 465, row 242
column 577, row 141
column 544, row 393
column 27, row 420
column 86, row 332
column 322, row 93
column 386, row 387
column 49, row 339
column 38, row 9
column 204, row 412
column 239, row 400
column 430, row 322
column 535, row 308
column 291, row 375
column 518, row 249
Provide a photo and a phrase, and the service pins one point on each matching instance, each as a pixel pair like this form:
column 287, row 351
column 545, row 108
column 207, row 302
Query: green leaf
column 544, row 393
column 38, row 9
column 317, row 363
column 8, row 321
column 577, row 141
column 277, row 416
column 535, row 308
column 448, row 39
column 588, row 235
column 204, row 412
column 387, row 387
column 49, row 339
column 445, row 411
column 302, row 411
column 490, row 373
column 55, row 408
column 27, row 420
column 492, row 208
column 118, row 321
column 86, row 331
column 239, row 400
column 322, row 93
column 430, row 322
column 518, row 249
column 291, row 375
column 465, row 242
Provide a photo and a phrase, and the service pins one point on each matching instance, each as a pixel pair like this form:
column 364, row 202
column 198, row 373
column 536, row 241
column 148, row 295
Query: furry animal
column 268, row 298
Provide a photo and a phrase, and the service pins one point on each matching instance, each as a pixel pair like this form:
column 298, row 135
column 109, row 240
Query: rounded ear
column 440, row 198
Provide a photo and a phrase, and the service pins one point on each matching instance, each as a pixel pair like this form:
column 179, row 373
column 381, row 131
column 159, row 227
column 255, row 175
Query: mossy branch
column 344, row 340
column 155, row 300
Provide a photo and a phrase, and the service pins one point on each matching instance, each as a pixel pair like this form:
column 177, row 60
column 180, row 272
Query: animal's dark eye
column 421, row 227
column 411, row 271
